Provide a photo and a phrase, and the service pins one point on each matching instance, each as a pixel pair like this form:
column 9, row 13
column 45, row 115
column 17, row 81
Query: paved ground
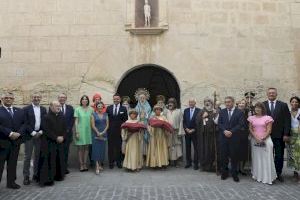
column 170, row 184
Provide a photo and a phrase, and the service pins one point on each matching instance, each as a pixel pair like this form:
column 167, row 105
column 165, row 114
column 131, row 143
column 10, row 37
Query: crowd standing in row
column 145, row 137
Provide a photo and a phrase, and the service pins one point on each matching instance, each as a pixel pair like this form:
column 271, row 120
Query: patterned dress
column 294, row 146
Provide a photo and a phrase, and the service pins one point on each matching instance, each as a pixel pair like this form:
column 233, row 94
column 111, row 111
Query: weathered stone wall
column 80, row 46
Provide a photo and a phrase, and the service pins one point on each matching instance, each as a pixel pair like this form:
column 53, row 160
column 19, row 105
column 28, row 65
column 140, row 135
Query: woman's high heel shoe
column 81, row 169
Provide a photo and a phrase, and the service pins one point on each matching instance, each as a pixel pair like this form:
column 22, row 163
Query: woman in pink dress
column 263, row 167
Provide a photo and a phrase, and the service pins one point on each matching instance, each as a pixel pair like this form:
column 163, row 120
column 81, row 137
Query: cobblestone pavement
column 169, row 184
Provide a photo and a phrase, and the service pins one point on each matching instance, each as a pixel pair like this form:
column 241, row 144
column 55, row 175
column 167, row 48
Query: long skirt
column 51, row 162
column 294, row 150
column 133, row 155
column 157, row 154
column 263, row 167
column 98, row 149
column 175, row 146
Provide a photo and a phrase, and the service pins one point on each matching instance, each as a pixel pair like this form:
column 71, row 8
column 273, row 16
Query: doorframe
column 147, row 65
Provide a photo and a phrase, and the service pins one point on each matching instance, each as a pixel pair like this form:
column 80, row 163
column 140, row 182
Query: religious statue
column 143, row 109
column 147, row 13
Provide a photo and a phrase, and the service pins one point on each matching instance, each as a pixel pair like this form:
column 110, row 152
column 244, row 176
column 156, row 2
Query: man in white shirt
column 34, row 114
column 68, row 113
column 117, row 115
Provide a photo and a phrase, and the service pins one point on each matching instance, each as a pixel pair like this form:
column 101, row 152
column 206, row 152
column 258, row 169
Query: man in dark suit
column 189, row 125
column 230, row 123
column 12, row 130
column 280, row 134
column 117, row 114
column 68, row 112
column 34, row 115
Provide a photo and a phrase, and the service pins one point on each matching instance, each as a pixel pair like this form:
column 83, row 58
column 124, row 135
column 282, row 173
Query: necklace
column 294, row 113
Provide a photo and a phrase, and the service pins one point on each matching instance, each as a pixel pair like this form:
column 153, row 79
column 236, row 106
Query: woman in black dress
column 244, row 142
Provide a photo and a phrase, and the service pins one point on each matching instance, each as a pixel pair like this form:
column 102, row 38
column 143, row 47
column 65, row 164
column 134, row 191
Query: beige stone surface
column 80, row 46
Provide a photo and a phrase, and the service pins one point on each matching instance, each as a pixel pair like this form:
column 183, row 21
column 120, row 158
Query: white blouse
column 294, row 120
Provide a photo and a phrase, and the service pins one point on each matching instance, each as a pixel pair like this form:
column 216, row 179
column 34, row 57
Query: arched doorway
column 157, row 80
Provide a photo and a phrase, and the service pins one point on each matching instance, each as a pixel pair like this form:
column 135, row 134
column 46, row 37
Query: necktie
column 272, row 107
column 229, row 114
column 116, row 110
column 191, row 113
column 63, row 110
column 10, row 112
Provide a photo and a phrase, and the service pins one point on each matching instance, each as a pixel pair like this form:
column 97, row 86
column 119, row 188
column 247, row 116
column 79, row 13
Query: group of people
column 47, row 134
column 150, row 137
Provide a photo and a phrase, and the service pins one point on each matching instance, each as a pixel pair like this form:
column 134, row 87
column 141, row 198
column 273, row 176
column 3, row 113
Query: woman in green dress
column 294, row 146
column 83, row 137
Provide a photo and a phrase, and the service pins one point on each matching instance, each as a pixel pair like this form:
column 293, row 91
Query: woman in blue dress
column 99, row 123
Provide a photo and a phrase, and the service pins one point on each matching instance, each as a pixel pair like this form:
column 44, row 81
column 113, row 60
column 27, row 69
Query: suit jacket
column 115, row 122
column 282, row 119
column 236, row 124
column 187, row 122
column 10, row 124
column 30, row 119
column 69, row 119
column 121, row 117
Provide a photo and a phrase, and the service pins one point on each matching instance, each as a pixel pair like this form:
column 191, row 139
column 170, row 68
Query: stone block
column 295, row 8
column 269, row 6
column 253, row 6
column 187, row 28
column 51, row 56
column 218, row 17
column 26, row 56
column 77, row 56
column 49, row 30
column 230, row 5
column 45, row 5
column 88, row 18
column 63, row 18
column 63, row 5
column 295, row 21
column 261, row 19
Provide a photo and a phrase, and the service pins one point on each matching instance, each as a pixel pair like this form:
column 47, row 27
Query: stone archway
column 156, row 79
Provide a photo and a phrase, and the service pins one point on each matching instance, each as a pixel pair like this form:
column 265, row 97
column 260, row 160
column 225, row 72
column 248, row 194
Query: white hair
column 193, row 99
column 52, row 103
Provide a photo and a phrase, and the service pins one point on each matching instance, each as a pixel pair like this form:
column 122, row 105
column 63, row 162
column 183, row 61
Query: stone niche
column 139, row 13
column 135, row 20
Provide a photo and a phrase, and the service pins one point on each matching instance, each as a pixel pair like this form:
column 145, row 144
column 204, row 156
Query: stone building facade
column 86, row 46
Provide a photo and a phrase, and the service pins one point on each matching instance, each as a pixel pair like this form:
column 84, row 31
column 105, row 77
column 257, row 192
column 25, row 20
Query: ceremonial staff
column 214, row 132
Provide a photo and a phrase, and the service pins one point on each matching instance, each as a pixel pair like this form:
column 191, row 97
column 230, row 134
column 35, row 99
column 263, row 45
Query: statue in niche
column 147, row 13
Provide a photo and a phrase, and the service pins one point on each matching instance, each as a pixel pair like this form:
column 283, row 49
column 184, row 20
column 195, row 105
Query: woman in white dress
column 263, row 167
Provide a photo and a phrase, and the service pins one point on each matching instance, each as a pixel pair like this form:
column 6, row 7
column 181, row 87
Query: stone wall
column 80, row 47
